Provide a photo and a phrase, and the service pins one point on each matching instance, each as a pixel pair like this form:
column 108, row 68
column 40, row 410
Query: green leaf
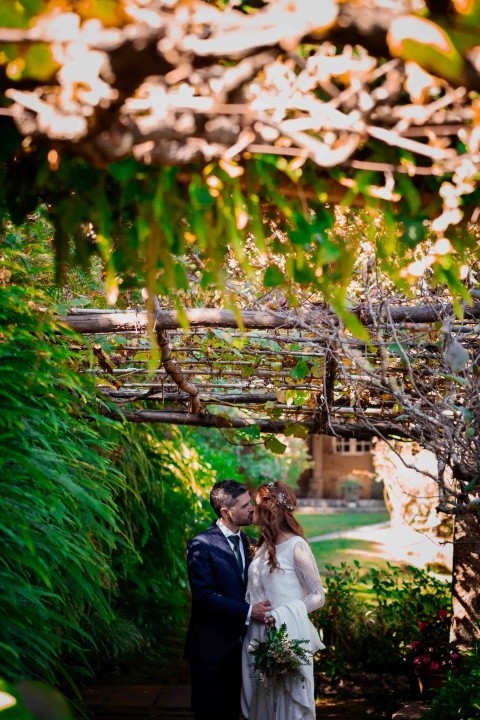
column 275, row 446
column 79, row 302
column 414, row 232
column 296, row 430
column 39, row 63
column 201, row 196
column 300, row 371
column 353, row 324
column 317, row 370
column 181, row 281
column 328, row 252
column 398, row 349
column 301, row 398
column 18, row 14
column 252, row 431
column 273, row 276
column 123, row 170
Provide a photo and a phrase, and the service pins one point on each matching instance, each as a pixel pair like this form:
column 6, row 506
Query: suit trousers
column 216, row 687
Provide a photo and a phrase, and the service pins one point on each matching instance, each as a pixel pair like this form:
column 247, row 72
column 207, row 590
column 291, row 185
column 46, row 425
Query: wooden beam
column 117, row 322
column 265, row 425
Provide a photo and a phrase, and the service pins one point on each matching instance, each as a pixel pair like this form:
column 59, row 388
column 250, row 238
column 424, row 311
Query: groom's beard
column 247, row 522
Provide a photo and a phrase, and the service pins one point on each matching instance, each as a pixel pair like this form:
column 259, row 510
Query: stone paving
column 166, row 700
column 139, row 702
column 147, row 702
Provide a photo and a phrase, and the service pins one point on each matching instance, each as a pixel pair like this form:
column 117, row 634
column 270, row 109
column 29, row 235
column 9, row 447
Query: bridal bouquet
column 277, row 657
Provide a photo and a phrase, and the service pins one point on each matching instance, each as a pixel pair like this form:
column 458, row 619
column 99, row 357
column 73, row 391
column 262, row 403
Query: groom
column 217, row 563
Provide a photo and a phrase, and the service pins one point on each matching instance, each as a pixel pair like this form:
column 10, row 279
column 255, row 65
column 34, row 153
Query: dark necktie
column 235, row 540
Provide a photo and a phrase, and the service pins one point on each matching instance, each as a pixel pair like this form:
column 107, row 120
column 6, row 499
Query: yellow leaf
column 426, row 43
column 39, row 63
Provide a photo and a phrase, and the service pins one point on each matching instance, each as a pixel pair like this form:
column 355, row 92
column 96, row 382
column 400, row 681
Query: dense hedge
column 93, row 517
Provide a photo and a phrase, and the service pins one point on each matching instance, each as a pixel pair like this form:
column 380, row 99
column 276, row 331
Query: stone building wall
column 341, row 469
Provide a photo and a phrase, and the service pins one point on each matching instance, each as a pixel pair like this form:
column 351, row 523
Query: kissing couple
column 241, row 587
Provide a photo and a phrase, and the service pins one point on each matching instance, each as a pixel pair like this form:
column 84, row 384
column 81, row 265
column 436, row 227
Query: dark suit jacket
column 219, row 610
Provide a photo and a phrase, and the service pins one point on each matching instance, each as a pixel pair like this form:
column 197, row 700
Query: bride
column 283, row 571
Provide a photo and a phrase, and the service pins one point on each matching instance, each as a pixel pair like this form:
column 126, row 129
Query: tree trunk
column 466, row 571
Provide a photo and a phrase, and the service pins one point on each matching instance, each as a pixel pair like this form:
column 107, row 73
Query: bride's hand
column 260, row 610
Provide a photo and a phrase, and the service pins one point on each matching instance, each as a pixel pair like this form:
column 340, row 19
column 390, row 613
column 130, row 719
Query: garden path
column 398, row 544
column 171, row 702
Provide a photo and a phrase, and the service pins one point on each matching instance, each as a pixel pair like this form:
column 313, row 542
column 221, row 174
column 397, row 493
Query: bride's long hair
column 274, row 506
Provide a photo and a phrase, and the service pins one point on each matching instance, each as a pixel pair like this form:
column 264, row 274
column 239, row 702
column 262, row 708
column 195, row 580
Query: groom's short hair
column 225, row 494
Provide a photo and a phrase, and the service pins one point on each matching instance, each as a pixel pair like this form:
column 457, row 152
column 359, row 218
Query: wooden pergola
column 290, row 371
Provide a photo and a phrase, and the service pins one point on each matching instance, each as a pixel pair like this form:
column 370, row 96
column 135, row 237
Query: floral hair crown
column 280, row 497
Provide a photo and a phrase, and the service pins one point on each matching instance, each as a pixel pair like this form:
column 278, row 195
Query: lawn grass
column 318, row 524
column 334, row 552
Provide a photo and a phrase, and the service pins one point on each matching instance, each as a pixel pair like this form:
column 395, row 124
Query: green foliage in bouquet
column 277, row 657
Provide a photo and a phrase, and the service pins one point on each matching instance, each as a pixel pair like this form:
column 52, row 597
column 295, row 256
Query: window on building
column 350, row 446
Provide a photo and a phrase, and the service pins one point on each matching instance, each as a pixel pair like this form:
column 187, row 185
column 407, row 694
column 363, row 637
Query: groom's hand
column 260, row 609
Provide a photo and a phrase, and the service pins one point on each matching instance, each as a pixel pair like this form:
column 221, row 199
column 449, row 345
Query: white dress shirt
column 228, row 533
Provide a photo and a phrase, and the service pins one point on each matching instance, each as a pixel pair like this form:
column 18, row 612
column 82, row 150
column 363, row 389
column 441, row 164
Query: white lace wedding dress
column 294, row 590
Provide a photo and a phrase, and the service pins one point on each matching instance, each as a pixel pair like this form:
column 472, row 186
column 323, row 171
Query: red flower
column 432, row 650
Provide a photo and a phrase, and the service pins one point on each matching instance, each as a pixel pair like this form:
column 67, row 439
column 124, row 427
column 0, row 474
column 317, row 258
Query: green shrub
column 165, row 503
column 459, row 698
column 371, row 631
column 95, row 513
column 58, row 520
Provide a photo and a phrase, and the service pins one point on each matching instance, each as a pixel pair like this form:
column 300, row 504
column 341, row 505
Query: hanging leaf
column 275, row 446
column 456, row 356
column 273, row 277
column 296, row 430
column 398, row 349
column 251, row 432
column 300, row 371
column 317, row 370
column 301, row 398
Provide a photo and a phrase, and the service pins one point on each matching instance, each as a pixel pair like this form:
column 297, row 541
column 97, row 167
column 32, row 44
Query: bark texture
column 466, row 573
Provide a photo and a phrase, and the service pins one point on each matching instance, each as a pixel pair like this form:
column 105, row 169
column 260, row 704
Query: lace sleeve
column 307, row 572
